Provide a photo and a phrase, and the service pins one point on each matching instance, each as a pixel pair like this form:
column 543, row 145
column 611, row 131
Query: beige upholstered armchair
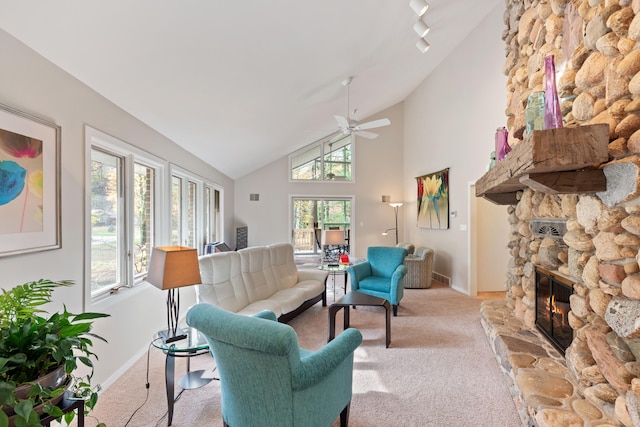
column 419, row 267
column 408, row 246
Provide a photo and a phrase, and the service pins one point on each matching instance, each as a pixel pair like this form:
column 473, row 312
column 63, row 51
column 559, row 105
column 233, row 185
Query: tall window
column 212, row 214
column 176, row 210
column 107, row 220
column 195, row 210
column 123, row 206
column 143, row 217
column 325, row 160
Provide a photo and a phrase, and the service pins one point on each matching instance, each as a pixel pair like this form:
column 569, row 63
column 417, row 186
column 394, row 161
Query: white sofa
column 260, row 278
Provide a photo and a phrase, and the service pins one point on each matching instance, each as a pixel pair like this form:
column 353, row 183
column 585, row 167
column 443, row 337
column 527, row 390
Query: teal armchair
column 381, row 275
column 267, row 379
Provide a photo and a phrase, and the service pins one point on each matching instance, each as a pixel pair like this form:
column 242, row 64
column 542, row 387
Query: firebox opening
column 552, row 308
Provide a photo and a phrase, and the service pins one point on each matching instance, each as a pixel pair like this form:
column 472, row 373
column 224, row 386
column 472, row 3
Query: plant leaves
column 24, row 408
column 89, row 316
column 69, row 416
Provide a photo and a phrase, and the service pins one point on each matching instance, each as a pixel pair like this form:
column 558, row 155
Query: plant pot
column 54, row 379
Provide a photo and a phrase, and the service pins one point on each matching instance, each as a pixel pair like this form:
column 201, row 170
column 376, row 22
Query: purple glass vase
column 552, row 112
column 502, row 145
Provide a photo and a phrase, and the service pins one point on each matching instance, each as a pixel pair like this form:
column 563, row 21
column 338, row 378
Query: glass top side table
column 195, row 344
column 333, row 271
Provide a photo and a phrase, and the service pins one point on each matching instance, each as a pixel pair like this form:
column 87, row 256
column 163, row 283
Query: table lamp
column 173, row 267
column 333, row 238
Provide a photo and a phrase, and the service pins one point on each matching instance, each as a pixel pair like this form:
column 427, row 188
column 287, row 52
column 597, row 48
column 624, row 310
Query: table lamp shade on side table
column 173, row 267
column 333, row 238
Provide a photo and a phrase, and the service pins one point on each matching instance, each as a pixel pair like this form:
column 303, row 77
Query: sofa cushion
column 283, row 265
column 259, row 280
column 375, row 283
column 222, row 280
column 289, row 299
column 258, row 306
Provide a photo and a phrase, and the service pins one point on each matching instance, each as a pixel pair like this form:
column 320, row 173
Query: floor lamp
column 170, row 268
column 395, row 206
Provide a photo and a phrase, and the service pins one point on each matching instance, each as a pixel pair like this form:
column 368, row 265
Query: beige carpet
column 438, row 371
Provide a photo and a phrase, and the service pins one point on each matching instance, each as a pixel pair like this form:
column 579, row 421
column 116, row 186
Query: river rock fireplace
column 588, row 175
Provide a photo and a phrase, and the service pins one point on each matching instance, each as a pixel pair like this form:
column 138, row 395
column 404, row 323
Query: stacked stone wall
column 596, row 45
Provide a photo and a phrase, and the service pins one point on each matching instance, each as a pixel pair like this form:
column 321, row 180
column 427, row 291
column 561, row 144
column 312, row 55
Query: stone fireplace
column 596, row 45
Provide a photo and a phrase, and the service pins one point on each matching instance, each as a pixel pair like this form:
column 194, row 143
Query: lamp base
column 169, row 336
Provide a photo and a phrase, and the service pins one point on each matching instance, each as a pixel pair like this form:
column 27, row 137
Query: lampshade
column 333, row 237
column 421, row 28
column 419, row 6
column 173, row 267
column 395, row 204
column 422, row 45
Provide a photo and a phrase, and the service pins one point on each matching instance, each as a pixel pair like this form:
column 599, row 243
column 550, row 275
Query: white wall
column 450, row 121
column 30, row 83
column 378, row 171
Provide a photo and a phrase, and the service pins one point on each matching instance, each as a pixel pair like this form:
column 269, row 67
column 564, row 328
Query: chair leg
column 395, row 310
column 344, row 416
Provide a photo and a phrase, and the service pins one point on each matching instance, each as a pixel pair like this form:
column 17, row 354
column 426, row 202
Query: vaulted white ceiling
column 243, row 83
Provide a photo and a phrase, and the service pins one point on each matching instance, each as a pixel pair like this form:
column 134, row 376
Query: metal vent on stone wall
column 554, row 228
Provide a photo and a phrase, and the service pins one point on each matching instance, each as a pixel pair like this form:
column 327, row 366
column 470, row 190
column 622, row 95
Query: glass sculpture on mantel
column 502, row 145
column 534, row 113
column 552, row 112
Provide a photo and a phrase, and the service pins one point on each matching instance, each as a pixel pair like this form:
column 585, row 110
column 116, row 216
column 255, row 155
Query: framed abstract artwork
column 29, row 183
column 433, row 200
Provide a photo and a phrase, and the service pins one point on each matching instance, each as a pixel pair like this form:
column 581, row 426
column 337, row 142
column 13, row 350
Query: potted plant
column 39, row 353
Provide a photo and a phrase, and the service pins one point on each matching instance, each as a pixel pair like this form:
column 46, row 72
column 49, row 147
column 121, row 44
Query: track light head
column 419, row 6
column 422, row 45
column 421, row 28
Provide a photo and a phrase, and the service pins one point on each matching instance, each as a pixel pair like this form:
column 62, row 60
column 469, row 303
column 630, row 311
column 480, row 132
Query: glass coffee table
column 195, row 344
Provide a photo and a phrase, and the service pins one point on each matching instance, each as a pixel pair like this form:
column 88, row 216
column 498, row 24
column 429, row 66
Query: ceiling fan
column 348, row 126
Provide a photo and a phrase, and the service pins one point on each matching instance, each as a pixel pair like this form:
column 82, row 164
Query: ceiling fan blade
column 374, row 124
column 368, row 135
column 343, row 122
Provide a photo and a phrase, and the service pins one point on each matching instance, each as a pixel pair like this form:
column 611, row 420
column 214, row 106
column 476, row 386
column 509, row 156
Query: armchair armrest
column 396, row 282
column 316, row 366
column 266, row 314
column 358, row 272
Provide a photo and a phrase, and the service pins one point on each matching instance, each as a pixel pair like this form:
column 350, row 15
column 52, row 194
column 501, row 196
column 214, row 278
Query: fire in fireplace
column 552, row 308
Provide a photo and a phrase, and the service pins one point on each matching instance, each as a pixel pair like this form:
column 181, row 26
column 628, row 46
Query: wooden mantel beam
column 579, row 182
column 502, row 198
column 549, row 152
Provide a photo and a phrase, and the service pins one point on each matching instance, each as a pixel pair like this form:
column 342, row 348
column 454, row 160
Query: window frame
column 320, row 145
column 200, row 223
column 130, row 156
column 323, row 198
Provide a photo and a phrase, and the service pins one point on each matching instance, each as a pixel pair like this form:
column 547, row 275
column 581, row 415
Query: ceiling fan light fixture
column 420, row 7
column 421, row 28
column 422, row 45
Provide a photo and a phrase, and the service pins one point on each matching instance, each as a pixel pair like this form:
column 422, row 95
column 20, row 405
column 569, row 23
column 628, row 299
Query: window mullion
column 127, row 253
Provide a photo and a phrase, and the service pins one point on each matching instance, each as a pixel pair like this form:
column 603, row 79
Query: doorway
column 488, row 240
